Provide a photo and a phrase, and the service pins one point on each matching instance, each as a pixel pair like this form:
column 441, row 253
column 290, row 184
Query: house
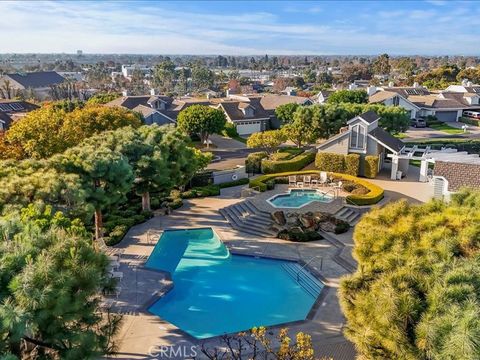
column 420, row 102
column 363, row 136
column 154, row 108
column 40, row 83
column 323, row 96
column 249, row 113
column 12, row 110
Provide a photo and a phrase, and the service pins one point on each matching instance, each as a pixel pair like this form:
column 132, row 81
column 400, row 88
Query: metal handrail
column 333, row 192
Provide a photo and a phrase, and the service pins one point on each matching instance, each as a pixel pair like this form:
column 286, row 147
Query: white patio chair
column 323, row 177
column 307, row 180
column 314, row 183
column 292, row 180
column 116, row 275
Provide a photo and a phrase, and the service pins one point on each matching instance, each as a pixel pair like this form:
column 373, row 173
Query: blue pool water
column 297, row 198
column 216, row 293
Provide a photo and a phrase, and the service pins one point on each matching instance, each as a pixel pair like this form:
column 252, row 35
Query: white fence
column 224, row 176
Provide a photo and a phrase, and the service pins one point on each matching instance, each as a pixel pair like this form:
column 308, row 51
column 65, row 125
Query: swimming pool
column 216, row 292
column 296, row 198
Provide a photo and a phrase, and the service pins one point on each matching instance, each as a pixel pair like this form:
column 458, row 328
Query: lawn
column 400, row 135
column 440, row 126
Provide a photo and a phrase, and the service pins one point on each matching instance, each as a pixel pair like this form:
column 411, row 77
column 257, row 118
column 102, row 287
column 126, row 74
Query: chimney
column 465, row 82
column 208, row 95
column 469, row 84
column 371, row 90
column 153, row 92
column 416, row 85
column 391, row 84
column 125, row 93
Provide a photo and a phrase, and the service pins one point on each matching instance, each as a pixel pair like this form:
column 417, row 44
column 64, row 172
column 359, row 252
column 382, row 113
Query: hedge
column 374, row 195
column 228, row 184
column 253, row 163
column 371, row 166
column 295, row 164
column 331, row 162
column 352, row 164
column 339, row 163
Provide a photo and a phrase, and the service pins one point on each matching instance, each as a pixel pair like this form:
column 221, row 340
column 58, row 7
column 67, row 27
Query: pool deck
column 143, row 332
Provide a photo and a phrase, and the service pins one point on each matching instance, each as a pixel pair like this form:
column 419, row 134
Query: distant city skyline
column 242, row 27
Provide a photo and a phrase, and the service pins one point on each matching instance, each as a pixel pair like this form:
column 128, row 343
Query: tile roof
column 36, row 79
column 381, row 96
column 271, row 102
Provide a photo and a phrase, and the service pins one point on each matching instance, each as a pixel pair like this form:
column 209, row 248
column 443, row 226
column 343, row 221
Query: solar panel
column 5, row 107
column 16, row 106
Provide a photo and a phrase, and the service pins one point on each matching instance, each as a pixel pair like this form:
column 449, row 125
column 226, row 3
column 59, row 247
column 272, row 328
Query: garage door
column 446, row 115
column 247, row 129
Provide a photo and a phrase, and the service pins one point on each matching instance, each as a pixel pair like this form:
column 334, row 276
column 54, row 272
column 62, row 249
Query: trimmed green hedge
column 233, row 183
column 371, row 166
column 339, row 163
column 374, row 195
column 352, row 164
column 295, row 164
column 253, row 163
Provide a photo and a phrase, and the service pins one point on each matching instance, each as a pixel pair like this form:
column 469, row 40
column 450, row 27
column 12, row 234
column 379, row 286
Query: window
column 357, row 137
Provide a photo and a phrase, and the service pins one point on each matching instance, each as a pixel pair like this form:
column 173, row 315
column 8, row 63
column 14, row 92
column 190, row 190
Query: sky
column 435, row 27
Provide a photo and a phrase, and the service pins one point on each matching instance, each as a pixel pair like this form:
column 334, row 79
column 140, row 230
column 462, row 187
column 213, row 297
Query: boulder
column 307, row 220
column 292, row 219
column 327, row 226
column 279, row 217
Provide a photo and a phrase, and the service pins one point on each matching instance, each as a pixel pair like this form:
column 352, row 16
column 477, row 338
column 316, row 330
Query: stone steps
column 348, row 214
column 244, row 216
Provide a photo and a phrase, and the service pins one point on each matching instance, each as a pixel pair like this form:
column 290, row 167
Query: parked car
column 418, row 123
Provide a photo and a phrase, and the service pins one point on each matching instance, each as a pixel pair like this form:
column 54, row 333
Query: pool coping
column 289, row 191
column 168, row 276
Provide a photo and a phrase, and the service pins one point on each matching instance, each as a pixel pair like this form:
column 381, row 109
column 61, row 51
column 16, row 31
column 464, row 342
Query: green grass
column 400, row 135
column 440, row 126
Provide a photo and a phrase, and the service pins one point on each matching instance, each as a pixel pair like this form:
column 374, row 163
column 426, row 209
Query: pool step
column 244, row 216
column 352, row 216
column 304, row 278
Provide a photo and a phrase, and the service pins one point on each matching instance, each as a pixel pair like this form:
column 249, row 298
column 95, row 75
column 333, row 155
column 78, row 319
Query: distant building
column 12, row 110
column 447, row 105
column 249, row 113
column 127, row 70
column 39, row 83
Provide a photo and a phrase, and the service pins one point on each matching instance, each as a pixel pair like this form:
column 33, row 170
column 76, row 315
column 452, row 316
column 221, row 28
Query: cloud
column 156, row 28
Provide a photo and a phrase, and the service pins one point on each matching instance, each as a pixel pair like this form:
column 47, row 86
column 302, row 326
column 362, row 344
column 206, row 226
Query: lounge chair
column 292, row 181
column 307, row 180
column 323, row 178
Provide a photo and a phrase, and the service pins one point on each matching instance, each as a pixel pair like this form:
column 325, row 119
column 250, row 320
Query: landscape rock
column 327, row 226
column 307, row 220
column 279, row 217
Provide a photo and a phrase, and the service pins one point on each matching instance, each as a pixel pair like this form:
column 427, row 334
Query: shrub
column 374, row 195
column 204, row 191
column 330, row 162
column 116, row 235
column 349, row 186
column 230, row 130
column 295, row 164
column 299, row 236
column 238, row 182
column 470, row 121
column 253, row 163
column 371, row 166
column 341, row 227
column 352, row 164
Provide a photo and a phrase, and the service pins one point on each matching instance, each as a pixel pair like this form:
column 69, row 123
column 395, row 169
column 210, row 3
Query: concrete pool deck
column 141, row 332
